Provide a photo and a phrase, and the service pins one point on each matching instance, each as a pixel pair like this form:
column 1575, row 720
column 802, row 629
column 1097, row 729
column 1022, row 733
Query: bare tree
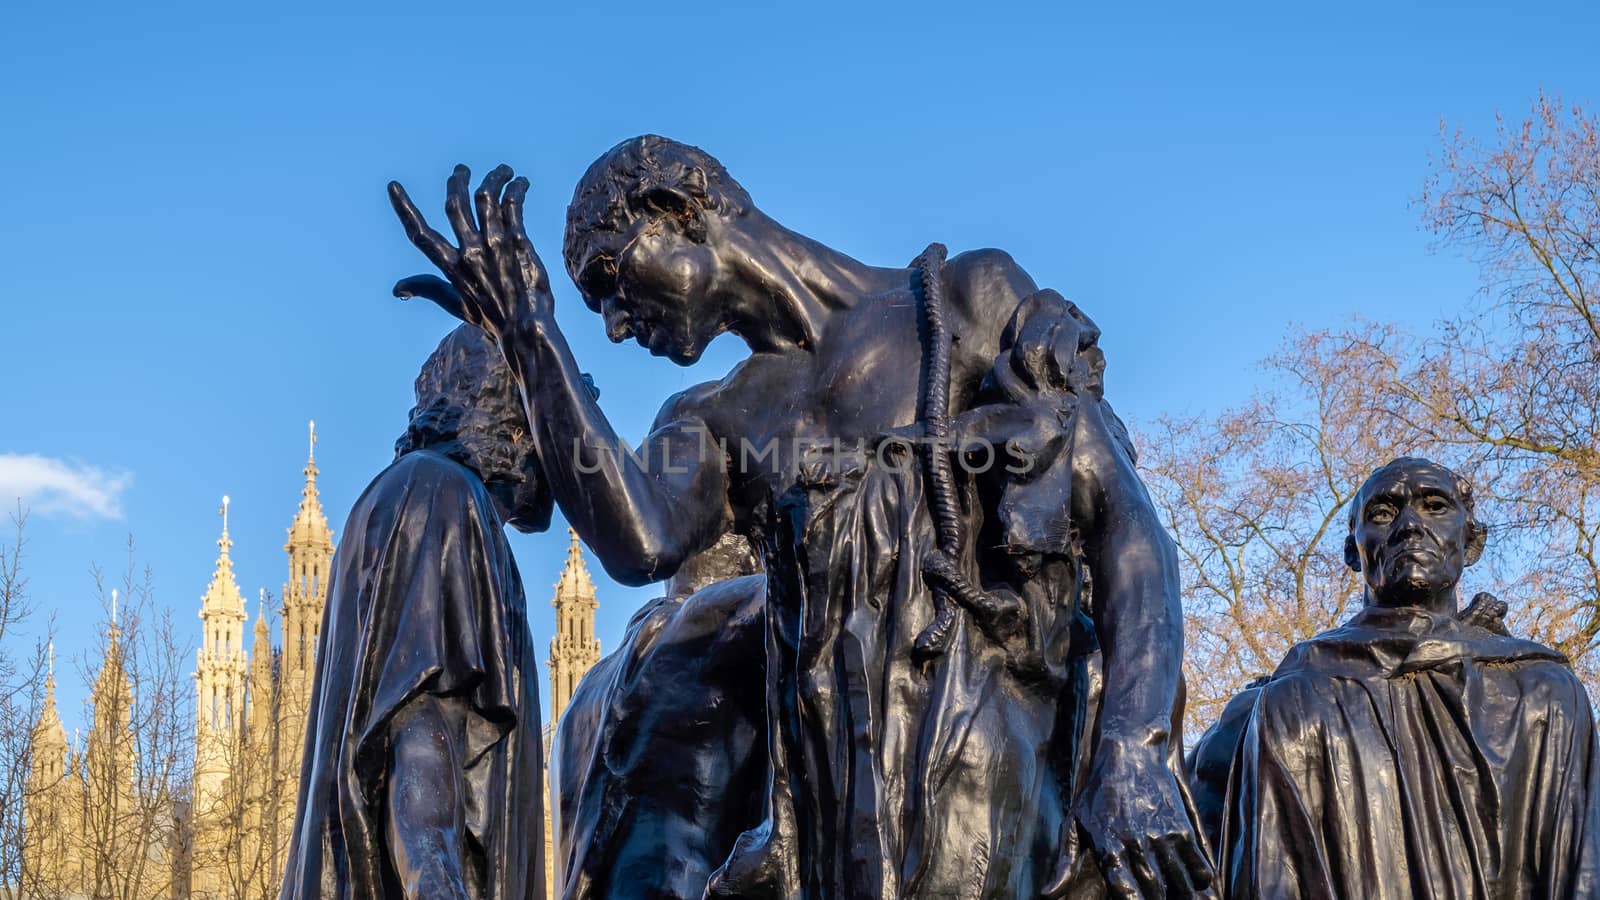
column 1507, row 393
column 1517, row 380
column 135, row 765
column 1256, row 499
column 21, row 703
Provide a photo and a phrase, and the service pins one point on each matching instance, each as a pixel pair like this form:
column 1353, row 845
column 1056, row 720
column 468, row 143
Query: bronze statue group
column 919, row 632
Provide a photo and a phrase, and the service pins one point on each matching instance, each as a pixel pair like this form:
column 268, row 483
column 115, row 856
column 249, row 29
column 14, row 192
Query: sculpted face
column 664, row 288
column 643, row 245
column 1413, row 534
column 655, row 285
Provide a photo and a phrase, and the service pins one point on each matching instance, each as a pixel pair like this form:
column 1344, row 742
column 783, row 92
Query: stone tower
column 268, row 793
column 263, row 683
column 49, row 815
column 310, row 549
column 573, row 651
column 220, row 676
column 574, row 648
column 111, row 815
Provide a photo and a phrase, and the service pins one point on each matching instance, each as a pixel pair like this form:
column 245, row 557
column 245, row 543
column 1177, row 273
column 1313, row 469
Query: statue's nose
column 618, row 326
column 1408, row 522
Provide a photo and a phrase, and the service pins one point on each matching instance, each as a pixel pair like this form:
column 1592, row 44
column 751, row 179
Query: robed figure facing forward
column 1419, row 750
column 422, row 768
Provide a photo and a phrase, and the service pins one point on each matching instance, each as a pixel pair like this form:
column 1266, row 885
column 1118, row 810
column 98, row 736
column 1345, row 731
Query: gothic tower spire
column 574, row 648
column 48, row 807
column 310, row 549
column 49, row 735
column 220, row 674
column 110, row 757
column 262, row 683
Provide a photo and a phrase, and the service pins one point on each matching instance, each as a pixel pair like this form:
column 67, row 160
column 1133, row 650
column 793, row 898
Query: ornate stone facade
column 251, row 720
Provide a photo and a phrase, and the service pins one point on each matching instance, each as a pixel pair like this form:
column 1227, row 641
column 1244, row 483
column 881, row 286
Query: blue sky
column 198, row 252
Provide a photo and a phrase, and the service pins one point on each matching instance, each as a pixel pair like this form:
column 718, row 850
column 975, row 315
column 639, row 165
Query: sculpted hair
column 648, row 175
column 468, row 406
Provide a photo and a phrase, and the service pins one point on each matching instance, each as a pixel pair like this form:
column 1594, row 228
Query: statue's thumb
column 430, row 287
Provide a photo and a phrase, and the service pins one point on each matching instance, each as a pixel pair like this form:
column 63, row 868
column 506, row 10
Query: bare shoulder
column 987, row 284
column 989, row 264
column 713, row 404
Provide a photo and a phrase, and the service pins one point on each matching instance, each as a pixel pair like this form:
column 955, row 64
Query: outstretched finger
column 502, row 252
column 1171, row 869
column 430, row 242
column 458, row 209
column 488, row 202
column 432, row 287
column 1147, row 871
column 534, row 274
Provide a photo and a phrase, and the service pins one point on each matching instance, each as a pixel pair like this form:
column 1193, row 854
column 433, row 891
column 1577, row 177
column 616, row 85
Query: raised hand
column 493, row 278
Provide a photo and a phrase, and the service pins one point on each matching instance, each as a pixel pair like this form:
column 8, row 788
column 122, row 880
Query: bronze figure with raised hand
column 926, row 463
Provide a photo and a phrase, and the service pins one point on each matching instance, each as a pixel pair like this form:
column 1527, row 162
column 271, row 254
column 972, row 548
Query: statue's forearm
column 1137, row 611
column 1139, row 622
column 642, row 512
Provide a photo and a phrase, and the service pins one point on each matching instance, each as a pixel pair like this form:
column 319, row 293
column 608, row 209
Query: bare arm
column 642, row 512
column 1132, row 810
column 1129, row 809
column 1137, row 613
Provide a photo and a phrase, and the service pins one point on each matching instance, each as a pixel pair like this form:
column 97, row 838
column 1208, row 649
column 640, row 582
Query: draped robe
column 903, row 780
column 425, row 600
column 1407, row 755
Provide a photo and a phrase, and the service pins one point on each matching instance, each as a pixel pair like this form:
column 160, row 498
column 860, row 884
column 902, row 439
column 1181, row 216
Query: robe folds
column 1407, row 755
column 904, row 780
column 425, row 600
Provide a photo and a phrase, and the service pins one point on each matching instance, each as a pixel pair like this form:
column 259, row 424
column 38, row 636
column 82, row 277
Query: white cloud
column 52, row 486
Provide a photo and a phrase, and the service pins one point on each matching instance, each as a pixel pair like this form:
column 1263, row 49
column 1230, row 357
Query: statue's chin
column 686, row 356
column 1411, row 586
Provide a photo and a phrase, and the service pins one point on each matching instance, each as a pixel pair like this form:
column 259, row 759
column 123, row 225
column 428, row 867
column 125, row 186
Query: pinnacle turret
column 310, row 526
column 223, row 602
column 575, row 581
column 50, row 734
column 220, row 673
column 574, row 649
column 261, row 650
column 310, row 549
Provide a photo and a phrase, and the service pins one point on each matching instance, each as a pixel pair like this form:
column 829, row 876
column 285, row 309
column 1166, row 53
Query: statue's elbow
column 645, row 562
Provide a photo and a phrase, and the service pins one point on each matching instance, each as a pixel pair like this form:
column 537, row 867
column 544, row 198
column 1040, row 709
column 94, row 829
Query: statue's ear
column 684, row 200
column 1352, row 556
column 1477, row 537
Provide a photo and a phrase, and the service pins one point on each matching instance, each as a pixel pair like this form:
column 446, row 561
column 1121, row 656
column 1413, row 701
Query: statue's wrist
column 532, row 325
column 1138, row 743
